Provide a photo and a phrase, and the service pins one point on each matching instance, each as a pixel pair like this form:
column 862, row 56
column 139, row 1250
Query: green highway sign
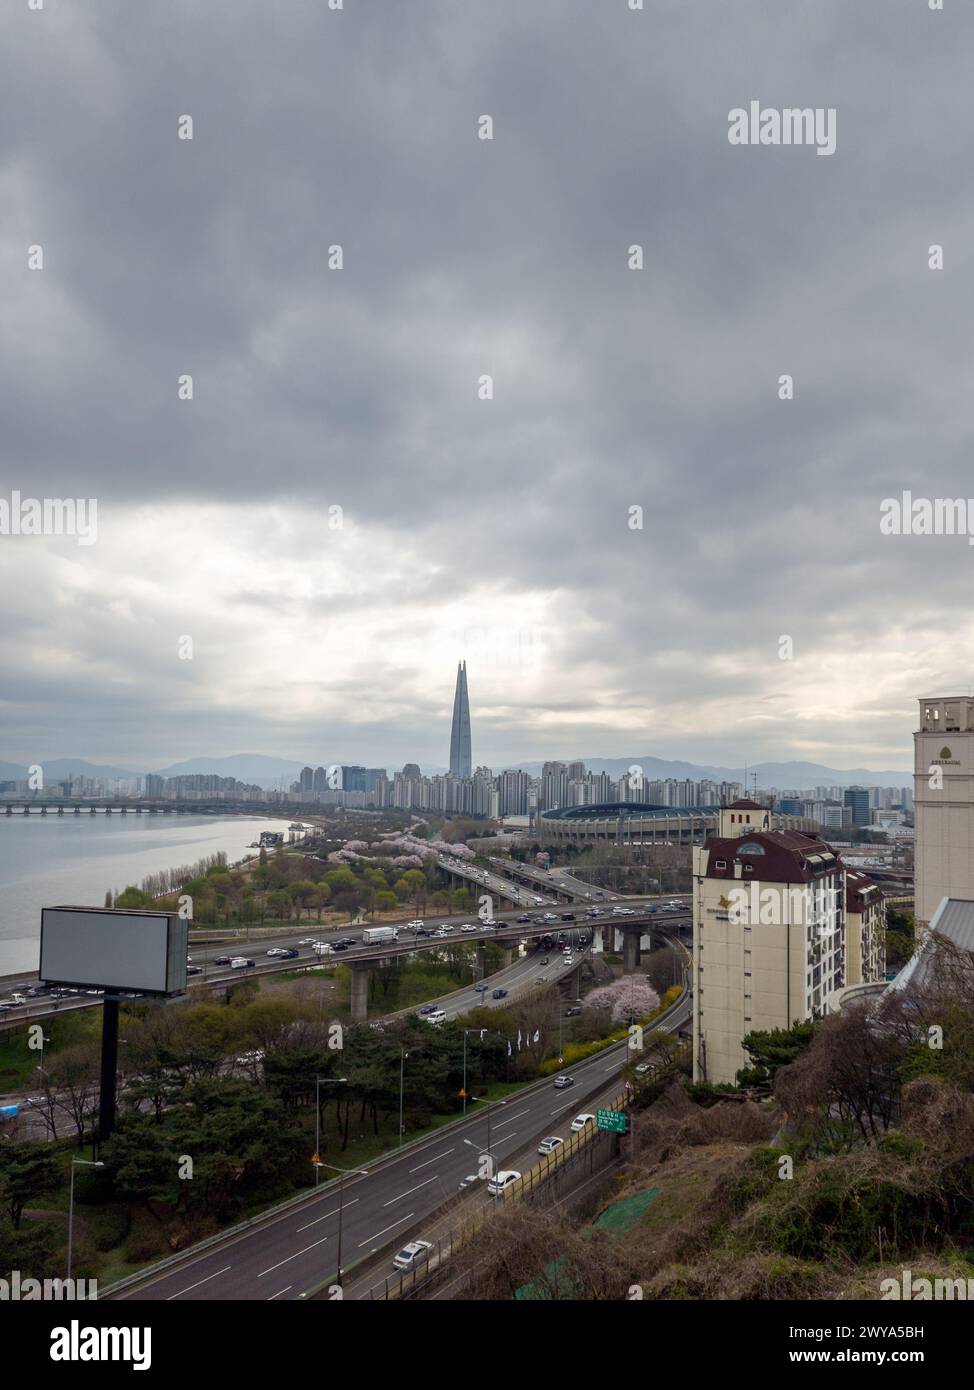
column 614, row 1120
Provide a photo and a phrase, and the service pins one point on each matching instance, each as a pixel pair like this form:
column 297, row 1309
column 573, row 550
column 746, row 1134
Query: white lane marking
column 326, row 1216
column 277, row 1295
column 502, row 1123
column 196, row 1285
column 434, row 1178
column 430, row 1160
column 388, row 1228
column 292, row 1257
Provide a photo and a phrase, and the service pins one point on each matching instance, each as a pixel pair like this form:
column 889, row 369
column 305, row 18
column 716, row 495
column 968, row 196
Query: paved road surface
column 293, row 1252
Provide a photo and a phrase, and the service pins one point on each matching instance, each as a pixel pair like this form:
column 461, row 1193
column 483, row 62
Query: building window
column 720, row 863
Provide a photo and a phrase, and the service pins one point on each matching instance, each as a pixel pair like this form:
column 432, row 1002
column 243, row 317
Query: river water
column 72, row 861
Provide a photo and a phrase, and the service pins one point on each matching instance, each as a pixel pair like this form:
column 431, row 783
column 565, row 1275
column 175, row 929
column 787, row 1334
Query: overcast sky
column 496, row 530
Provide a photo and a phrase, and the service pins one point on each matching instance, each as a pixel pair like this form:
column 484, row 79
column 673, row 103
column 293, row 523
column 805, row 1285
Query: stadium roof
column 611, row 810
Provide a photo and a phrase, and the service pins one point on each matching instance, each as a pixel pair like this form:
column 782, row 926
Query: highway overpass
column 361, row 956
column 555, row 882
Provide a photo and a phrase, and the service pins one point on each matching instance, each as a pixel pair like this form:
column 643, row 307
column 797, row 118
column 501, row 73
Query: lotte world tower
column 460, row 758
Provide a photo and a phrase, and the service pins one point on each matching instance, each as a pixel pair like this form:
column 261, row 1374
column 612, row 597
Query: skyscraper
column 460, row 757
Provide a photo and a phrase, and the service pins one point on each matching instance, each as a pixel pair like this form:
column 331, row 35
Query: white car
column 468, row 926
column 277, row 951
column 416, row 922
column 442, row 931
column 502, row 1182
column 548, row 1146
column 307, row 941
column 437, row 1016
column 581, row 1122
column 413, row 1254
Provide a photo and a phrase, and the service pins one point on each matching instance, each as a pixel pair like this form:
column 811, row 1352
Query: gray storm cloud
column 462, row 257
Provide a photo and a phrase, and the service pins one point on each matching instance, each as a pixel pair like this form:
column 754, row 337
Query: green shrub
column 112, row 1228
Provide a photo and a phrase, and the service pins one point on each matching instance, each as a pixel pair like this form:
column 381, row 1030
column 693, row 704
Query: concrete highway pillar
column 481, row 959
column 630, row 949
column 507, row 953
column 360, row 992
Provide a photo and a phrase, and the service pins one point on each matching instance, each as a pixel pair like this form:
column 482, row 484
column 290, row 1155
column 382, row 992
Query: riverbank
column 47, row 861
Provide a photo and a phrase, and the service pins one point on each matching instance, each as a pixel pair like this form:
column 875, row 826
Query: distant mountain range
column 56, row 769
column 801, row 776
column 272, row 772
column 257, row 768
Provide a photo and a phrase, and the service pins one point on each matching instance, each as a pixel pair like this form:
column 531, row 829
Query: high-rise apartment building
column 513, row 789
column 865, row 930
column 768, row 937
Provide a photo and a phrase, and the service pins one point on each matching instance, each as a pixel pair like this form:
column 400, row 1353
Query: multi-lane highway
column 485, row 881
column 553, row 880
column 507, row 931
column 296, row 1250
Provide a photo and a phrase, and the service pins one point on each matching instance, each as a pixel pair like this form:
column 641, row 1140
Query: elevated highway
column 557, row 882
column 362, row 956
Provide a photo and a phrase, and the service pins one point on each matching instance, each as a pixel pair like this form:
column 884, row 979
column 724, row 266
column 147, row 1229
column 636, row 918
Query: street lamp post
column 84, row 1163
column 490, row 1105
column 403, row 1054
column 481, row 1031
column 344, row 1173
column 327, row 1081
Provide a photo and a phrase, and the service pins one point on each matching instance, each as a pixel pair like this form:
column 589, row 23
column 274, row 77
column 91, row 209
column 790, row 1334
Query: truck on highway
column 322, row 948
column 380, row 934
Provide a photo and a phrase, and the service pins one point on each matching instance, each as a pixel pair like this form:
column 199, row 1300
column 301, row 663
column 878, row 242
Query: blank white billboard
column 113, row 949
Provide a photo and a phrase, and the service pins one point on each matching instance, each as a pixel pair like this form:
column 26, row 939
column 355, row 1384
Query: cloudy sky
column 499, row 529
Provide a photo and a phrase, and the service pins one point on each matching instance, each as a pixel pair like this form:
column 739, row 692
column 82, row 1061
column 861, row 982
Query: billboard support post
column 109, row 1069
